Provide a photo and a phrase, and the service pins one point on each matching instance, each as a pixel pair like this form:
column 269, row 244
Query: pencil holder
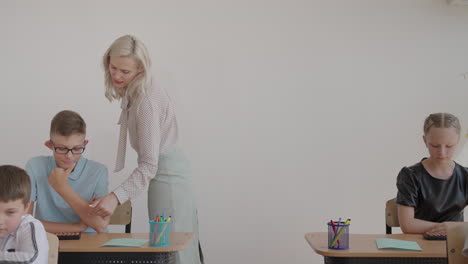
column 338, row 235
column 159, row 233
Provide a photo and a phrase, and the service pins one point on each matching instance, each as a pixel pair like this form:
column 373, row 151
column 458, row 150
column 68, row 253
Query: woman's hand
column 104, row 206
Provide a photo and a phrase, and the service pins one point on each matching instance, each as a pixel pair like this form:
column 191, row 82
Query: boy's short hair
column 67, row 123
column 15, row 184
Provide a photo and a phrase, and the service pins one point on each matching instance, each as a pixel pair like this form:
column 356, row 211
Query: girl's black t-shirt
column 433, row 199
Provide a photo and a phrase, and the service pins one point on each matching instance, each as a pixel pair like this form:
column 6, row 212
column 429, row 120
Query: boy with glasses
column 65, row 183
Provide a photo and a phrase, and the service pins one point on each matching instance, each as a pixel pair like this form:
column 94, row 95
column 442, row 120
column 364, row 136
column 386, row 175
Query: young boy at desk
column 434, row 190
column 22, row 238
column 65, row 183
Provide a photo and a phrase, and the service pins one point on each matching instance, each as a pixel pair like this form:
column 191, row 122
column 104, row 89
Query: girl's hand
column 439, row 228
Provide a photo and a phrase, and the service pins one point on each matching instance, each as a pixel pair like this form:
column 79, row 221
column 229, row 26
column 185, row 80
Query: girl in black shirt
column 434, row 190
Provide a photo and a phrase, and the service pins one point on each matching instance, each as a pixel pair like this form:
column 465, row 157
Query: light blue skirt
column 170, row 193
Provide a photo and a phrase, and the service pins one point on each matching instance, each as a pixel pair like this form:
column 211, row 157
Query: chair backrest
column 457, row 232
column 53, row 248
column 123, row 216
column 391, row 215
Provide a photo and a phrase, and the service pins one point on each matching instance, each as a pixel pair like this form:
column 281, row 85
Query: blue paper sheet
column 125, row 242
column 388, row 243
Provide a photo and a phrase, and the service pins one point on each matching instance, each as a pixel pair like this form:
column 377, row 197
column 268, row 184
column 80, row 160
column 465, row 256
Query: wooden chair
column 123, row 216
column 455, row 242
column 53, row 248
column 391, row 216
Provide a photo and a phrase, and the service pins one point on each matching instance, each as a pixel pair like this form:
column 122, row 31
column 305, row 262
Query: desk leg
column 116, row 257
column 348, row 260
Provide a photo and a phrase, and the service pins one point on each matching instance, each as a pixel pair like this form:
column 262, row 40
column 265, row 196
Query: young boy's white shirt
column 28, row 244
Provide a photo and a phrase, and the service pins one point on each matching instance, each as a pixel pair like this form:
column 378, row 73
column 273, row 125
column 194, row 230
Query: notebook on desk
column 388, row 243
column 125, row 242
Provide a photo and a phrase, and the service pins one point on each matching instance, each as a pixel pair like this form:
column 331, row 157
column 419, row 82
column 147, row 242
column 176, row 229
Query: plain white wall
column 292, row 112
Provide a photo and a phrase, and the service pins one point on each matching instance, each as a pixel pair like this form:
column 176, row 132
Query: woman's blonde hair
column 444, row 120
column 127, row 46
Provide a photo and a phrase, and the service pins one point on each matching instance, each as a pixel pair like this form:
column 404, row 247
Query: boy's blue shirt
column 89, row 178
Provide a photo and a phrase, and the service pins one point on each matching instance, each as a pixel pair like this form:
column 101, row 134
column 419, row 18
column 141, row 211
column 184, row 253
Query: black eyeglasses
column 64, row 150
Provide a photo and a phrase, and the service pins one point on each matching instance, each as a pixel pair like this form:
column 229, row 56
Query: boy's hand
column 81, row 226
column 59, row 177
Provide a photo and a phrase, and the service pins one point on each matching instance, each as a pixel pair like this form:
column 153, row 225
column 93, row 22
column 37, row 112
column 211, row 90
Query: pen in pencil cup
column 161, row 233
column 339, row 223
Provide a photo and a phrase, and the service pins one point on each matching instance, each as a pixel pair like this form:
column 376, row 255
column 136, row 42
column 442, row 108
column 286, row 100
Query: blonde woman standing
column 148, row 117
column 434, row 190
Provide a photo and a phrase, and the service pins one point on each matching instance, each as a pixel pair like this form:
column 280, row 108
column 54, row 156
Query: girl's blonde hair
column 127, row 46
column 444, row 120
